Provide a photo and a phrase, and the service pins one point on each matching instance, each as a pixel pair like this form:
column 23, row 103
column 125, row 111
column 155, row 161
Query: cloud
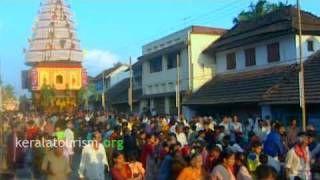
column 96, row 60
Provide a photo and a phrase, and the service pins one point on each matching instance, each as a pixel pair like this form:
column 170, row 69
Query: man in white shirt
column 93, row 160
column 212, row 123
column 226, row 124
column 298, row 159
column 69, row 138
column 55, row 165
column 199, row 124
column 181, row 136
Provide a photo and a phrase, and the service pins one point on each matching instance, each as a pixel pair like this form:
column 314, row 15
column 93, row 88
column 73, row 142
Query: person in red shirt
column 147, row 149
column 121, row 169
column 31, row 131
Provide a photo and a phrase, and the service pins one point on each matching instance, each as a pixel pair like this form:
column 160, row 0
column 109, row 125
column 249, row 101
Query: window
column 156, row 88
column 231, row 61
column 171, row 86
column 73, row 81
column 273, row 52
column 250, row 55
column 156, row 64
column 59, row 79
column 172, row 60
column 310, row 46
column 164, row 89
column 150, row 89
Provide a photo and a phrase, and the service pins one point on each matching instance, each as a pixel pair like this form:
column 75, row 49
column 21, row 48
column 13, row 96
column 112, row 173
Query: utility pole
column 301, row 72
column 103, row 91
column 130, row 86
column 1, row 108
column 178, row 87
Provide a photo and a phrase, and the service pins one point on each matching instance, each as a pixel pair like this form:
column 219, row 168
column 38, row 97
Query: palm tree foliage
column 261, row 8
column 85, row 93
column 46, row 96
column 8, row 93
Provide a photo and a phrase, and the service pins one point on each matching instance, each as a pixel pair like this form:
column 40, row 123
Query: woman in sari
column 225, row 169
column 194, row 171
column 121, row 169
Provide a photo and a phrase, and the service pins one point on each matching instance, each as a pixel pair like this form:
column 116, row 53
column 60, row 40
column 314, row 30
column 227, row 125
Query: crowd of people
column 139, row 147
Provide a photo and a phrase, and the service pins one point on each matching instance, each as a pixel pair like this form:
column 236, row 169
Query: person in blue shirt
column 166, row 165
column 273, row 145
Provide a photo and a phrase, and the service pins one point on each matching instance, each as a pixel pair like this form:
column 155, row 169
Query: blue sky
column 113, row 30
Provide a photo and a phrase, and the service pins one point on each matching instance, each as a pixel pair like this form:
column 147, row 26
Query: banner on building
column 25, row 81
column 84, row 78
column 34, row 79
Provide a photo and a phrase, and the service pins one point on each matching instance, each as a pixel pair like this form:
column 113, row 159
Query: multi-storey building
column 106, row 80
column 119, row 93
column 254, row 60
column 159, row 67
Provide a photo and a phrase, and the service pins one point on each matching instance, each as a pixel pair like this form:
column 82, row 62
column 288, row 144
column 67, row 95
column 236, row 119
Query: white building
column 159, row 67
column 286, row 48
column 253, row 62
column 112, row 76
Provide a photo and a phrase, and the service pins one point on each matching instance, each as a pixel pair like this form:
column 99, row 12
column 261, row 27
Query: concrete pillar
column 167, row 105
column 266, row 111
column 164, row 63
column 152, row 104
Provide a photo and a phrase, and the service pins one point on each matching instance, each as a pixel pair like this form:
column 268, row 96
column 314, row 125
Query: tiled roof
column 118, row 94
column 275, row 85
column 277, row 23
column 287, row 92
column 108, row 71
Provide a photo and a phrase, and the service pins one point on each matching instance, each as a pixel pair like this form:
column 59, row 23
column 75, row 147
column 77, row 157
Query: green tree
column 261, row 8
column 85, row 93
column 23, row 98
column 24, row 103
column 46, row 96
column 8, row 93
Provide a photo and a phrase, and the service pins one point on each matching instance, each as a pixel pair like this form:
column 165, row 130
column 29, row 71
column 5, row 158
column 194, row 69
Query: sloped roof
column 275, row 85
column 287, row 92
column 107, row 72
column 118, row 94
column 277, row 23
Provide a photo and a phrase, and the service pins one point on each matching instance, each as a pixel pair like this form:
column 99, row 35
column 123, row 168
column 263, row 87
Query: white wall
column 202, row 66
column 165, row 42
column 165, row 80
column 305, row 38
column 118, row 75
column 287, row 55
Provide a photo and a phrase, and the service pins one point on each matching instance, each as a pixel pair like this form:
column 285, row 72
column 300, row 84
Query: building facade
column 267, row 53
column 159, row 67
column 107, row 80
column 256, row 60
column 111, row 77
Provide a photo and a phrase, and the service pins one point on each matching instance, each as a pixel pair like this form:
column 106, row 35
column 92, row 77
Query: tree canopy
column 85, row 93
column 46, row 96
column 8, row 93
column 261, row 8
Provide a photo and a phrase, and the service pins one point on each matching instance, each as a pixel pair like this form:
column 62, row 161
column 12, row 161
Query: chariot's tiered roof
column 54, row 35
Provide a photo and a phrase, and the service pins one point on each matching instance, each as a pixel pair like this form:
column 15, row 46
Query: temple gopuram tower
column 55, row 57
